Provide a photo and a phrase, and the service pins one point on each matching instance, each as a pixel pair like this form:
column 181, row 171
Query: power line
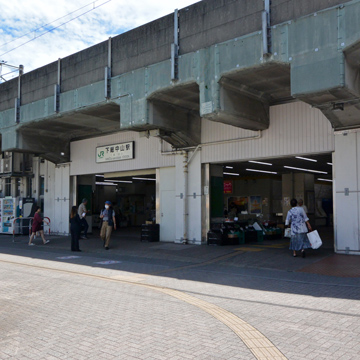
column 54, row 28
column 43, row 26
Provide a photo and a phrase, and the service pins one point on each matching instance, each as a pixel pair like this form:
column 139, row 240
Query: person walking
column 37, row 226
column 82, row 211
column 299, row 227
column 75, row 228
column 108, row 223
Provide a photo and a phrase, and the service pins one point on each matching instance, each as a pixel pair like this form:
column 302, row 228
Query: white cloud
column 114, row 17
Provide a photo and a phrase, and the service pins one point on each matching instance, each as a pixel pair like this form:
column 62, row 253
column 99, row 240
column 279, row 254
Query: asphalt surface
column 167, row 301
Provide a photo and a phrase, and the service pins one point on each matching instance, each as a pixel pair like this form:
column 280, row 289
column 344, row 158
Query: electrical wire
column 56, row 27
column 43, row 26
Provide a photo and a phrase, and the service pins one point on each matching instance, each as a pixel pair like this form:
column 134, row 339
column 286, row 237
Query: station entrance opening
column 132, row 194
column 249, row 200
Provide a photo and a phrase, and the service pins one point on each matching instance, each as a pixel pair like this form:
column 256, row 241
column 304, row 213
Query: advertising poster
column 237, row 204
column 255, row 204
column 228, row 187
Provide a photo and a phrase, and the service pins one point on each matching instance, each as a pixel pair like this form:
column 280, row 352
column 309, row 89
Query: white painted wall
column 295, row 128
column 346, row 167
column 167, row 218
column 147, row 154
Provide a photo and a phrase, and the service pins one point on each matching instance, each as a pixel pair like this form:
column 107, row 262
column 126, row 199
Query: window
column 7, row 186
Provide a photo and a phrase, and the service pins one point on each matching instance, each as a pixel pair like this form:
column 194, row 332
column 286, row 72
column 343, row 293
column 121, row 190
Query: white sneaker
column 32, row 244
column 46, row 242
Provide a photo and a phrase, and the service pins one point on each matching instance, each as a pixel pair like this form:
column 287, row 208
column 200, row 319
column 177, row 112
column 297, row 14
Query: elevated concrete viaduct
column 223, row 60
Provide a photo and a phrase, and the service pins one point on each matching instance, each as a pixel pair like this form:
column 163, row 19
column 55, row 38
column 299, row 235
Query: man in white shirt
column 301, row 204
column 82, row 214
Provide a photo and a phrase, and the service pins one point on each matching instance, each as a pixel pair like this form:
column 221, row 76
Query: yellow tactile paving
column 250, row 249
column 256, row 342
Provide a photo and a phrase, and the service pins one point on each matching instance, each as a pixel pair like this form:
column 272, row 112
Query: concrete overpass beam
column 238, row 105
column 179, row 126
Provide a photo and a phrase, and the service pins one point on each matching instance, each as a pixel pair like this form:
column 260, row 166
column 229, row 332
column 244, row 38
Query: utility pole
column 11, row 69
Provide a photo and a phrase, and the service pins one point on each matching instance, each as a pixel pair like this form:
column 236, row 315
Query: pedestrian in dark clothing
column 75, row 228
column 37, row 226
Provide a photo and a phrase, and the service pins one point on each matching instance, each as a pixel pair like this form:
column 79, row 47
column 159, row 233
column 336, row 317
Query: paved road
column 189, row 305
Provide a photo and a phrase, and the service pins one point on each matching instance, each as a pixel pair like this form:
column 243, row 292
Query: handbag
column 314, row 238
column 287, row 233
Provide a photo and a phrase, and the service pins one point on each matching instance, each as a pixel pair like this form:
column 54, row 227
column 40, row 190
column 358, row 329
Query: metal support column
column 266, row 28
column 57, row 89
column 108, row 73
column 18, row 99
column 175, row 48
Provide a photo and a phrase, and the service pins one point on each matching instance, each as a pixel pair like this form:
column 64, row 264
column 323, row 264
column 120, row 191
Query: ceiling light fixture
column 229, row 167
column 301, row 169
column 259, row 162
column 120, row 181
column 105, row 183
column 307, row 159
column 325, row 180
column 99, row 175
column 262, row 171
column 330, row 164
column 234, row 174
column 149, row 179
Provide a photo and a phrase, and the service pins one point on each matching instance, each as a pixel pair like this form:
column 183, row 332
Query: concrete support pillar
column 346, row 188
column 188, row 198
column 57, row 196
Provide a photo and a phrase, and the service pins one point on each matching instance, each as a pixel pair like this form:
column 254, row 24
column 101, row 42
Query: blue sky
column 103, row 18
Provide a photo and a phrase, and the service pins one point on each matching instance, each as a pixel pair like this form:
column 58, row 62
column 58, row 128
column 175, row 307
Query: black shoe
column 303, row 253
column 106, row 248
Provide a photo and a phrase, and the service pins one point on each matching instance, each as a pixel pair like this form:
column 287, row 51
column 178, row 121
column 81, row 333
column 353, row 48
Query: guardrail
column 47, row 223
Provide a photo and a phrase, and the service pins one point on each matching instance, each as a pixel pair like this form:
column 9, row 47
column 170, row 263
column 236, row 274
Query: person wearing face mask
column 108, row 223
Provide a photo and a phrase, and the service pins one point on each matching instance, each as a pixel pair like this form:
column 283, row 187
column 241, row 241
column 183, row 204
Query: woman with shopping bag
column 299, row 227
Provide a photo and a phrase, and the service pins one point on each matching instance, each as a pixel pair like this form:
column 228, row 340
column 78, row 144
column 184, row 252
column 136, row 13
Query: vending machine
column 8, row 215
column 27, row 209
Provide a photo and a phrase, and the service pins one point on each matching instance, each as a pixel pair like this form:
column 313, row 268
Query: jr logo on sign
column 101, row 154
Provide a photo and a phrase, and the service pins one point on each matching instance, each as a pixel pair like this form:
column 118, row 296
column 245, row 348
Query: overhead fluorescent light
column 262, row 171
column 301, row 169
column 234, row 174
column 149, row 179
column 229, row 167
column 330, row 164
column 105, row 183
column 307, row 159
column 325, row 180
column 99, row 175
column 120, row 181
column 259, row 162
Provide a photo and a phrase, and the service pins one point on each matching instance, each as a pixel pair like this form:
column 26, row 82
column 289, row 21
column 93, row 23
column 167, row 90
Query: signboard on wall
column 228, row 187
column 123, row 151
column 255, row 204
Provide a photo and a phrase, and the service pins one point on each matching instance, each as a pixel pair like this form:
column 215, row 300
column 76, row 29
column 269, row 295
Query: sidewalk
column 272, row 255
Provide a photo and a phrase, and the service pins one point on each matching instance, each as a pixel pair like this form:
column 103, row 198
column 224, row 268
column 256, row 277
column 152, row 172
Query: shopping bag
column 287, row 233
column 314, row 239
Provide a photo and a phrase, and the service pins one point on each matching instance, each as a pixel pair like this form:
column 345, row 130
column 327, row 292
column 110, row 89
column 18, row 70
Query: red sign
column 228, row 187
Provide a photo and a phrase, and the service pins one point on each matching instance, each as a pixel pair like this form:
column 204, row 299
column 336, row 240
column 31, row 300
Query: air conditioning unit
column 7, row 165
